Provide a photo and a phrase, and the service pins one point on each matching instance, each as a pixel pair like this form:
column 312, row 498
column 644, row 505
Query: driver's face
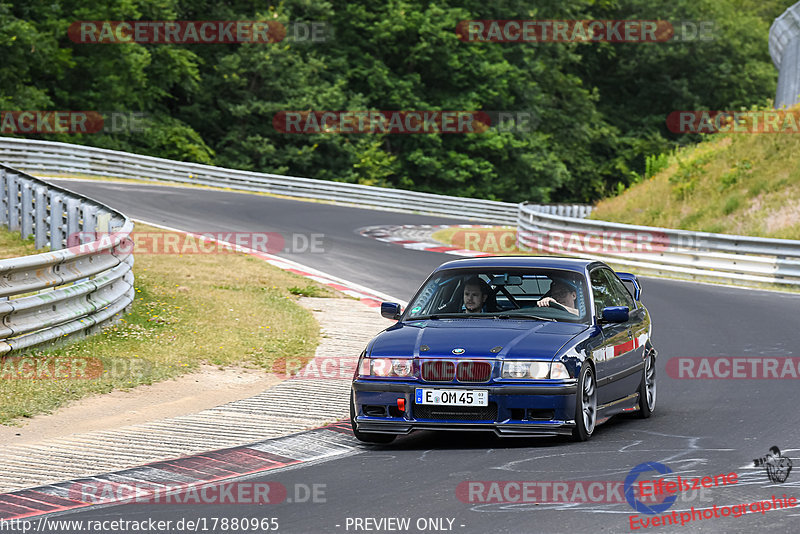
column 565, row 296
column 473, row 299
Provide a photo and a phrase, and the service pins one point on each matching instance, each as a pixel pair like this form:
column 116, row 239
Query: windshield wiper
column 433, row 316
column 524, row 316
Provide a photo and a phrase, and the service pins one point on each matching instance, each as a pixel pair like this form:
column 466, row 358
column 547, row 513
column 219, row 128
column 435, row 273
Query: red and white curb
column 418, row 237
column 181, row 474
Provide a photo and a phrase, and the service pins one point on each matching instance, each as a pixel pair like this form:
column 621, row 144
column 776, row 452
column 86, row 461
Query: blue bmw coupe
column 522, row 346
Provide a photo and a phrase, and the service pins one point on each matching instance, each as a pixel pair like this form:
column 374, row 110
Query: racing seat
column 491, row 302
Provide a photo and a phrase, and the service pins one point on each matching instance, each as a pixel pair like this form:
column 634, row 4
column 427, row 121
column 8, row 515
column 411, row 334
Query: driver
column 476, row 291
column 561, row 293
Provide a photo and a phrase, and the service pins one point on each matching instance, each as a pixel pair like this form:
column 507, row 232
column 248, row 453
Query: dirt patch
column 190, row 393
column 785, row 217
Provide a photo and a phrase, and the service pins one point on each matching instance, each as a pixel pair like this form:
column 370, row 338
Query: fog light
column 401, row 405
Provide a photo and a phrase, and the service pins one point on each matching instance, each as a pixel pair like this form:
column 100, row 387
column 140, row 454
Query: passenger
column 561, row 293
column 476, row 291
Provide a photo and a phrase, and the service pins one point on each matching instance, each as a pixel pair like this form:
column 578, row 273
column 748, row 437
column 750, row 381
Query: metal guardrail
column 51, row 157
column 732, row 259
column 81, row 284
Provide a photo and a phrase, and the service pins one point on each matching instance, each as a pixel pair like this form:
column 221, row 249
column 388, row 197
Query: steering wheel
column 555, row 304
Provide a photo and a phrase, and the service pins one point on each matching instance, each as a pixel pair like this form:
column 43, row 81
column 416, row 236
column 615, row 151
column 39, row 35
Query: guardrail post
column 73, row 218
column 3, row 198
column 56, row 222
column 40, row 218
column 12, row 187
column 26, row 223
column 103, row 224
column 89, row 227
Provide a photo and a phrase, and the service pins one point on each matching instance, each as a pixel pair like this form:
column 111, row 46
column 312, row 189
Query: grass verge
column 223, row 309
column 745, row 184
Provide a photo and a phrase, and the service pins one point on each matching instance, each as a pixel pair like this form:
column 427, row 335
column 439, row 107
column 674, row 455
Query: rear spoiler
column 630, row 277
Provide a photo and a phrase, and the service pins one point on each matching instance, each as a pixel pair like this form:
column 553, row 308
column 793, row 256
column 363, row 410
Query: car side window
column 619, row 292
column 600, row 291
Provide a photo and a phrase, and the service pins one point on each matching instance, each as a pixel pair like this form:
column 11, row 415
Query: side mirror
column 391, row 310
column 614, row 314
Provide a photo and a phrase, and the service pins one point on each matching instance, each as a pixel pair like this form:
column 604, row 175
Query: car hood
column 517, row 339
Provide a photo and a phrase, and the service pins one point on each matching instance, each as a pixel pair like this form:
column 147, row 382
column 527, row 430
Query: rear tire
column 585, row 404
column 647, row 388
column 366, row 437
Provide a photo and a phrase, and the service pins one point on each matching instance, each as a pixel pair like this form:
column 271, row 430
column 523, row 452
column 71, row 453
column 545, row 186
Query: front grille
column 464, row 413
column 474, row 371
column 438, row 371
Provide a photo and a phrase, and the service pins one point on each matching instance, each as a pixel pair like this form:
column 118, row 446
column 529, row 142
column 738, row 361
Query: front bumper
column 518, row 409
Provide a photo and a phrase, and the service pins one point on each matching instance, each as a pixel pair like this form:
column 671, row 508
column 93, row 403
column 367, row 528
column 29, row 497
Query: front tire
column 366, row 437
column 647, row 388
column 585, row 404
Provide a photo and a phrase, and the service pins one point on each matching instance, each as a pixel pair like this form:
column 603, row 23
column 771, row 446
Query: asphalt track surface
column 700, row 427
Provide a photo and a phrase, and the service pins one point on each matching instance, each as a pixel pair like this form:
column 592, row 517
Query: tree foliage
column 598, row 108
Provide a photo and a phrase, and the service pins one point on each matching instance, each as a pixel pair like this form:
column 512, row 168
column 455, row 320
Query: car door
column 629, row 357
column 614, row 350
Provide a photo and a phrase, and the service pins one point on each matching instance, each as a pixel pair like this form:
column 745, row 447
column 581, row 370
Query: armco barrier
column 69, row 291
column 44, row 157
column 695, row 255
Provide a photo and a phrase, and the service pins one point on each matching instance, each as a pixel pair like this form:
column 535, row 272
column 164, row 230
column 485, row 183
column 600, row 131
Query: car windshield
column 536, row 294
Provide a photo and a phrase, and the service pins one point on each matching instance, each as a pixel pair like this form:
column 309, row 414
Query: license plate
column 453, row 397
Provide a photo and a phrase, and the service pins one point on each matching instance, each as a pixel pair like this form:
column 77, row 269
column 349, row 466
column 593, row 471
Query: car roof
column 578, row 265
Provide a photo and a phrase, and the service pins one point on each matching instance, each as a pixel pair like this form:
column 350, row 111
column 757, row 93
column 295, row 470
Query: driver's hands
column 546, row 301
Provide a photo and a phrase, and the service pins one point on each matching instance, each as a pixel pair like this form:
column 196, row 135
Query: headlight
column 534, row 370
column 402, row 367
column 386, row 367
column 515, row 369
column 539, row 370
column 558, row 370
